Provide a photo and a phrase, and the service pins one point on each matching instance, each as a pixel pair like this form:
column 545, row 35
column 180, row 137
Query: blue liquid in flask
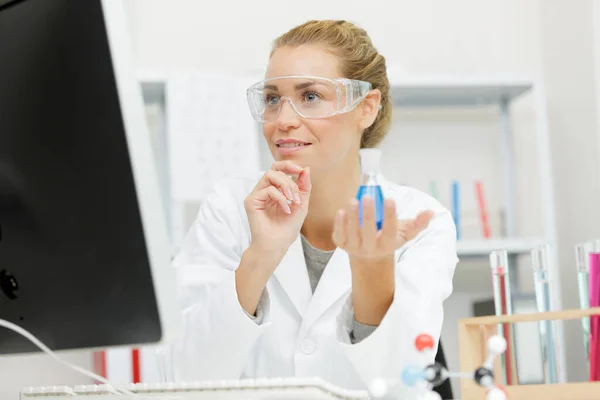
column 375, row 192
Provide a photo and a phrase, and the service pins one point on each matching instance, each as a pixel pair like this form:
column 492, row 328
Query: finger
column 423, row 219
column 287, row 167
column 271, row 193
column 390, row 223
column 412, row 227
column 403, row 229
column 409, row 229
column 369, row 227
column 418, row 225
column 304, row 184
column 339, row 228
column 282, row 181
column 353, row 227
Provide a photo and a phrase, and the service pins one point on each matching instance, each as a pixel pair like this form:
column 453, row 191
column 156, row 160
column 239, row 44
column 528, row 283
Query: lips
column 291, row 143
column 294, row 144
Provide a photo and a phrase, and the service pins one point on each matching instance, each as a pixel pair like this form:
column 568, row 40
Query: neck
column 332, row 191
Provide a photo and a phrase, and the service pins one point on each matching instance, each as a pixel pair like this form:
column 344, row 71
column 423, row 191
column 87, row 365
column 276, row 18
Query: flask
column 369, row 186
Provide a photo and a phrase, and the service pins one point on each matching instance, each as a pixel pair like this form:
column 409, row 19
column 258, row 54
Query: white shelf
column 483, row 247
column 455, row 91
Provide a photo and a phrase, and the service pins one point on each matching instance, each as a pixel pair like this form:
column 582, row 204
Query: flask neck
column 369, row 179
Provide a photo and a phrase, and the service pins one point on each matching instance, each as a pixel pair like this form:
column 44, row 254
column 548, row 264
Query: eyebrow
column 298, row 86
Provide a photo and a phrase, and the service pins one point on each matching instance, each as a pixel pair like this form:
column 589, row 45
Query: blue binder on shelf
column 456, row 206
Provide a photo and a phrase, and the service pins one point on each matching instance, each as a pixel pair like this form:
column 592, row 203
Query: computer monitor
column 84, row 251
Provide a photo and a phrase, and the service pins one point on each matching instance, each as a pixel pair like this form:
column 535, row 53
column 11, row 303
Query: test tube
column 581, row 258
column 548, row 342
column 594, row 301
column 503, row 306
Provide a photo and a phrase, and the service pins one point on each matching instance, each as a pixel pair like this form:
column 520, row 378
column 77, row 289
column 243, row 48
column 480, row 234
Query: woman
column 278, row 278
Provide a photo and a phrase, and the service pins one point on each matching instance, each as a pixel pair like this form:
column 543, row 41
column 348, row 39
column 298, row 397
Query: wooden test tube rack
column 472, row 341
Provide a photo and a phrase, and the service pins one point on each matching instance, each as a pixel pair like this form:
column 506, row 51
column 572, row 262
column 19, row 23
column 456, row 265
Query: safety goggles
column 309, row 96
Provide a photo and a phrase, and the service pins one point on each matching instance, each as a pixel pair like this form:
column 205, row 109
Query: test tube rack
column 472, row 341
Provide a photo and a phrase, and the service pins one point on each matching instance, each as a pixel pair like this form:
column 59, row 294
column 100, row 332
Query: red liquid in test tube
column 502, row 304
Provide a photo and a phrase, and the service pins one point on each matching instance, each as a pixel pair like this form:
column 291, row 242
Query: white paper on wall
column 211, row 133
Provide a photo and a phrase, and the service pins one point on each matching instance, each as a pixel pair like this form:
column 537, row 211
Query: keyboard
column 245, row 389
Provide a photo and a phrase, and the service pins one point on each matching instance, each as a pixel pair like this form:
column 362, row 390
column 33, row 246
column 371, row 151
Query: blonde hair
column 359, row 59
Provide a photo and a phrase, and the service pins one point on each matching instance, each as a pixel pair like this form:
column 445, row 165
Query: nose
column 287, row 118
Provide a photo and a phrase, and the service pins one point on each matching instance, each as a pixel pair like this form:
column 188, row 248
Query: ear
column 370, row 108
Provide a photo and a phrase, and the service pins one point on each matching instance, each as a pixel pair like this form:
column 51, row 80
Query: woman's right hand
column 277, row 207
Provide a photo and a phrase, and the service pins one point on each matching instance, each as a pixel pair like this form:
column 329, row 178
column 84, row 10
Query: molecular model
column 435, row 374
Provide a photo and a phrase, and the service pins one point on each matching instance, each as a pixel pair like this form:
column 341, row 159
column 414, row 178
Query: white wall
column 17, row 372
column 596, row 21
column 428, row 36
column 571, row 80
column 464, row 37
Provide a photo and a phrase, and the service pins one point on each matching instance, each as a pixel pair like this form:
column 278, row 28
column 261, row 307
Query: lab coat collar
column 292, row 274
column 335, row 282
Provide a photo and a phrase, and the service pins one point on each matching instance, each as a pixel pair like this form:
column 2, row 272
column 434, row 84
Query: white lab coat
column 305, row 334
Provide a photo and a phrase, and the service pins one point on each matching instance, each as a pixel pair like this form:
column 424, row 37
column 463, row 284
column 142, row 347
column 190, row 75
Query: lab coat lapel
column 293, row 277
column 334, row 283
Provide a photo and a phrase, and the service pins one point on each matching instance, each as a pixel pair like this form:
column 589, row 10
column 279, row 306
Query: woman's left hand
column 367, row 244
column 371, row 254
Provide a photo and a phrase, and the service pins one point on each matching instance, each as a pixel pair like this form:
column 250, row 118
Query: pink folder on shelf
column 594, row 282
column 483, row 216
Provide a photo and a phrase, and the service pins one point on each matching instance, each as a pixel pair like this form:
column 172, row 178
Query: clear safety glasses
column 309, row 96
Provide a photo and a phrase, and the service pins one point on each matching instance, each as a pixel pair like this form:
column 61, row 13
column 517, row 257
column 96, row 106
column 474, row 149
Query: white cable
column 45, row 349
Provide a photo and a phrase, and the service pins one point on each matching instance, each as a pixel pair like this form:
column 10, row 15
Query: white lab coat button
column 307, row 347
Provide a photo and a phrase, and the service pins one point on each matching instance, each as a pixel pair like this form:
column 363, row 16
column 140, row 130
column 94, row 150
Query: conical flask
column 369, row 186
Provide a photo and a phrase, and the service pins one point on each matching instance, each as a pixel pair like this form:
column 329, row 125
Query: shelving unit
column 439, row 91
column 453, row 92
column 444, row 91
column 482, row 248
